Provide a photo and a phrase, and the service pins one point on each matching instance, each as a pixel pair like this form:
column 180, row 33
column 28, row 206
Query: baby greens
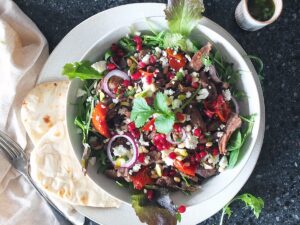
column 82, row 70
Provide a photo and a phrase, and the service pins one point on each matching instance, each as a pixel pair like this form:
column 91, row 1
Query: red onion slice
column 130, row 162
column 236, row 105
column 117, row 73
column 213, row 74
column 170, row 139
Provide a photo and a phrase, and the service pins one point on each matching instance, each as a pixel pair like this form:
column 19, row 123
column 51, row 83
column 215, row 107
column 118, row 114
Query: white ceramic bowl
column 253, row 104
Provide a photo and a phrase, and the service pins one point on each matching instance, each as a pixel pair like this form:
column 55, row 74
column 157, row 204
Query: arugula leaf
column 237, row 142
column 151, row 214
column 141, row 112
column 127, row 44
column 256, row 204
column 184, row 15
column 164, row 123
column 160, row 103
column 82, row 70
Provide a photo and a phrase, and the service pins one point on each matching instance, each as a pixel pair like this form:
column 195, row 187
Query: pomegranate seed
column 180, row 117
column 152, row 59
column 181, row 209
column 197, row 132
column 189, row 78
column 111, row 66
column 202, row 136
column 136, row 76
column 150, row 194
column 141, row 158
column 139, row 47
column 170, row 75
column 149, row 79
column 172, row 173
column 126, row 83
column 142, row 64
column 137, row 39
column 201, row 147
column 172, row 155
column 149, row 100
column 195, row 84
column 136, row 133
column 193, row 160
column 215, row 151
column 177, row 127
column 115, row 90
column 202, row 154
column 120, row 53
column 131, row 126
column 197, row 157
column 114, row 47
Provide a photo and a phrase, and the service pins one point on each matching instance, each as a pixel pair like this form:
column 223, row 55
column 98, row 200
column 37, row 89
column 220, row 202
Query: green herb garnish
column 82, row 70
column 141, row 112
column 252, row 202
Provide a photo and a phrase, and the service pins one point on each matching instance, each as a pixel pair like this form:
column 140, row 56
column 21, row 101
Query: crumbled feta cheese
column 145, row 59
column 227, row 94
column 147, row 159
column 90, row 99
column 195, row 79
column 123, row 111
column 223, row 163
column 143, row 142
column 207, row 166
column 213, row 159
column 137, row 33
column 157, row 49
column 188, row 57
column 188, row 128
column 222, row 126
column 164, row 62
column 188, row 117
column 188, row 94
column 202, row 94
column 176, row 103
column 120, row 131
column 130, row 172
column 220, row 134
column 99, row 66
column 115, row 100
column 191, row 141
column 169, row 92
column 80, row 93
column 165, row 157
column 164, row 53
column 195, row 74
column 136, row 167
column 120, row 150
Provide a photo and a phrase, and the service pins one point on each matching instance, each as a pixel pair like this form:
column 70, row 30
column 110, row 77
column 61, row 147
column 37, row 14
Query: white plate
column 76, row 44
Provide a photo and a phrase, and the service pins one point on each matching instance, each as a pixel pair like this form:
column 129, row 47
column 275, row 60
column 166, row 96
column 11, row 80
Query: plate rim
column 257, row 144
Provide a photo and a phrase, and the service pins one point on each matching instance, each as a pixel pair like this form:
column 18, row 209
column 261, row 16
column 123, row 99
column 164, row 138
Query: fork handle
column 60, row 216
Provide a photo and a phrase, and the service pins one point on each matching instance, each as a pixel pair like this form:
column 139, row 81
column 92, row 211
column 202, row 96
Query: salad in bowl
column 160, row 113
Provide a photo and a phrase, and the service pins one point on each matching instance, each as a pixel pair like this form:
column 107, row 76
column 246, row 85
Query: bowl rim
column 258, row 91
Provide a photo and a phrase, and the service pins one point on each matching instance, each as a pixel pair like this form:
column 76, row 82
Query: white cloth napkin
column 23, row 51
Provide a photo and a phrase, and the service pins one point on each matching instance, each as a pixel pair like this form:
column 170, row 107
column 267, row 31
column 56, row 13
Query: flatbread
column 55, row 168
column 43, row 107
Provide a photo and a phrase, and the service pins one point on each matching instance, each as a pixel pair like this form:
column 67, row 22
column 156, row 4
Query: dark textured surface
column 276, row 177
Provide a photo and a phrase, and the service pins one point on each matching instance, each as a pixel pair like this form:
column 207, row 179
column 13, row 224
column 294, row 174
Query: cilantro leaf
column 151, row 214
column 254, row 203
column 160, row 103
column 141, row 112
column 184, row 15
column 164, row 123
column 82, row 70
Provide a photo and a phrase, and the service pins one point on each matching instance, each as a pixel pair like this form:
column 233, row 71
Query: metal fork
column 13, row 152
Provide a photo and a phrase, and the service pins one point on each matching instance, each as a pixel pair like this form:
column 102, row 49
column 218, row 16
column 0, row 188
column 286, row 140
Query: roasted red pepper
column 189, row 170
column 99, row 119
column 141, row 179
column 149, row 126
column 219, row 107
column 176, row 61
